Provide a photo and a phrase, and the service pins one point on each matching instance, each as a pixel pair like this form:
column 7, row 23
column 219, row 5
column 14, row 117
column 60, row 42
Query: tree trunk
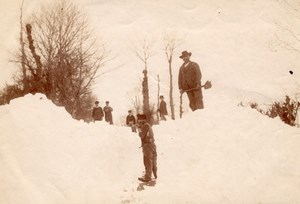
column 25, row 82
column 171, row 89
column 38, row 83
column 146, row 106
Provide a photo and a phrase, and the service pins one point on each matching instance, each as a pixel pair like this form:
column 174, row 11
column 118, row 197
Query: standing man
column 162, row 108
column 130, row 121
column 97, row 113
column 107, row 111
column 189, row 81
column 149, row 148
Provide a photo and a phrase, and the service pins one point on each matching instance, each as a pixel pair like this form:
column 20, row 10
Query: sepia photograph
column 149, row 102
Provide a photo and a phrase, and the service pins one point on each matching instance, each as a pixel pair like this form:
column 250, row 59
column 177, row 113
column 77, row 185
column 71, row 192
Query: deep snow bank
column 222, row 154
column 230, row 154
column 47, row 157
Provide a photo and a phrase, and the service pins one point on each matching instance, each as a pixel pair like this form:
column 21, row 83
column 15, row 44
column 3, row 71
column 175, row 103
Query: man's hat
column 107, row 102
column 185, row 54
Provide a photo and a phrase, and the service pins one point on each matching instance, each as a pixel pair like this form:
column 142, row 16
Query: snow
column 225, row 153
column 209, row 156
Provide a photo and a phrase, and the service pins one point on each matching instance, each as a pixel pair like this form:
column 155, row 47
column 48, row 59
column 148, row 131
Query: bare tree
column 135, row 100
column 144, row 52
column 63, row 54
column 38, row 85
column 180, row 106
column 288, row 37
column 171, row 43
column 23, row 57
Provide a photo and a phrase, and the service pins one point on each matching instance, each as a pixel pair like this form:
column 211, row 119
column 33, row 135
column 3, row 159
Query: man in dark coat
column 149, row 148
column 108, row 113
column 162, row 108
column 97, row 113
column 130, row 121
column 189, row 81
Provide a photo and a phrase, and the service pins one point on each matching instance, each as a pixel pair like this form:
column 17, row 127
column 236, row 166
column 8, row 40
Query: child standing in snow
column 130, row 121
column 149, row 148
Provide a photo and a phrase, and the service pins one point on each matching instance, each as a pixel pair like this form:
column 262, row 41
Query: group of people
column 189, row 81
column 131, row 121
column 98, row 113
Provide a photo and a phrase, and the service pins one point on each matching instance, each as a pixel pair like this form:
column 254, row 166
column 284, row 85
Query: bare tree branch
column 171, row 43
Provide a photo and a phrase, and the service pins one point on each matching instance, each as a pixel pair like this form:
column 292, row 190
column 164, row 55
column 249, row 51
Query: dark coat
column 149, row 150
column 146, row 134
column 163, row 108
column 130, row 120
column 108, row 115
column 97, row 113
column 189, row 77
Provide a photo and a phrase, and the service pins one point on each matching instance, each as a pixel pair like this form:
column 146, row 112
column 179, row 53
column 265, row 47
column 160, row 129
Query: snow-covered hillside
column 223, row 154
column 235, row 43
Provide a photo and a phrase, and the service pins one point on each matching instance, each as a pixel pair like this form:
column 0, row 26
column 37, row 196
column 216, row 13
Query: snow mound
column 222, row 154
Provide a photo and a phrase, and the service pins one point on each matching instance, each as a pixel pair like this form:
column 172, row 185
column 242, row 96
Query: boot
column 155, row 174
column 144, row 179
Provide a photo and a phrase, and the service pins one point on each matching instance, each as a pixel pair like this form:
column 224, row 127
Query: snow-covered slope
column 222, row 154
column 235, row 43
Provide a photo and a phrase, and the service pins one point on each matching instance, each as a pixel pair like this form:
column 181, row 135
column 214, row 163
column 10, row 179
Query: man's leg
column 148, row 161
column 154, row 168
column 144, row 161
column 198, row 99
column 191, row 97
column 111, row 120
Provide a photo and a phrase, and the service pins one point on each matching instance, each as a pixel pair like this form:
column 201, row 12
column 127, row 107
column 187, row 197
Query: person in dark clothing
column 162, row 108
column 149, row 148
column 97, row 113
column 130, row 121
column 189, row 81
column 108, row 113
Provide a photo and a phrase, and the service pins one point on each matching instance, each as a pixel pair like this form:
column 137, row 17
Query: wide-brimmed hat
column 185, row 54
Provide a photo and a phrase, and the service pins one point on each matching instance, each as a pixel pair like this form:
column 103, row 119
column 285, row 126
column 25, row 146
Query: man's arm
column 198, row 74
column 179, row 79
column 93, row 113
column 101, row 112
column 127, row 120
column 143, row 133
